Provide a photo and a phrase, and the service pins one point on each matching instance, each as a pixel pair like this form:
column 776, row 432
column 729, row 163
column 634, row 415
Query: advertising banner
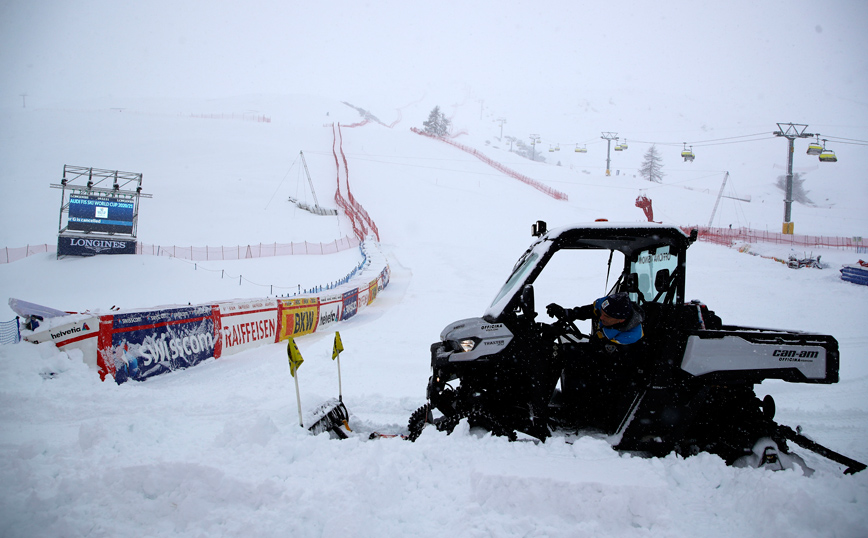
column 351, row 304
column 364, row 294
column 100, row 214
column 330, row 307
column 76, row 334
column 247, row 324
column 297, row 316
column 373, row 288
column 68, row 245
column 139, row 345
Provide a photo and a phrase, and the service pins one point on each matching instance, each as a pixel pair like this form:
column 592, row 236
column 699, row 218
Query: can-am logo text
column 794, row 355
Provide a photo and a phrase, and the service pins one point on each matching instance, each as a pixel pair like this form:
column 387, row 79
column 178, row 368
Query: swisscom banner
column 140, row 345
column 97, row 214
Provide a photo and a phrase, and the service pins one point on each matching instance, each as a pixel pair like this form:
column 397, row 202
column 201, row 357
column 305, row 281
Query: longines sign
column 91, row 246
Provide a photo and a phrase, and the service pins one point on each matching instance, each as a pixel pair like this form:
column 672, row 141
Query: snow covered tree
column 518, row 147
column 799, row 193
column 652, row 166
column 437, row 124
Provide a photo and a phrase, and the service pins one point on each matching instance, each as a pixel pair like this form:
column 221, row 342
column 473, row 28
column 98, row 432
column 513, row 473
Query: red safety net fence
column 730, row 236
column 258, row 118
column 556, row 194
column 361, row 222
column 13, row 254
column 235, row 252
column 243, row 252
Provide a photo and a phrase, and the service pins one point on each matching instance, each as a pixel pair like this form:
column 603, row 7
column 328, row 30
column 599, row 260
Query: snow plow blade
column 853, row 466
column 332, row 416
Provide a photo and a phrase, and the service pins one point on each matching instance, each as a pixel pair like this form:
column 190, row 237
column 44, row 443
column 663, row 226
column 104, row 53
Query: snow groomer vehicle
column 688, row 385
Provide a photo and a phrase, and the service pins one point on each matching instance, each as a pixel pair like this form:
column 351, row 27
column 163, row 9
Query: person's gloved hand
column 555, row 310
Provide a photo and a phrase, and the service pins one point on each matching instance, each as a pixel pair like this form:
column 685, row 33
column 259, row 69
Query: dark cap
column 617, row 306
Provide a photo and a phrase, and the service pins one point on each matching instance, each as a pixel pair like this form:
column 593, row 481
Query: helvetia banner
column 330, row 310
column 139, row 345
column 76, row 332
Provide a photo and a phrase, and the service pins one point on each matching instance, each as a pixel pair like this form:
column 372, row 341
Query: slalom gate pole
column 340, row 390
column 298, row 398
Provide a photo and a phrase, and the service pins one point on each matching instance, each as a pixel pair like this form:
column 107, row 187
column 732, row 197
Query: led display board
column 100, row 214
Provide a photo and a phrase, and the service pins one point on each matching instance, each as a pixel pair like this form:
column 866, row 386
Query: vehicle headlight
column 467, row 344
column 464, row 345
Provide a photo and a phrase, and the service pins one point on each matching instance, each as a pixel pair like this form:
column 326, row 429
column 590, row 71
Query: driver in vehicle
column 615, row 319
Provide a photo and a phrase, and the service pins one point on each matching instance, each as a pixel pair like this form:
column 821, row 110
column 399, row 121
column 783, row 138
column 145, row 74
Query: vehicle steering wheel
column 566, row 327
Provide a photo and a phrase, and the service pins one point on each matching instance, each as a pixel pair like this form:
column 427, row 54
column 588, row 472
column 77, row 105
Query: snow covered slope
column 216, row 449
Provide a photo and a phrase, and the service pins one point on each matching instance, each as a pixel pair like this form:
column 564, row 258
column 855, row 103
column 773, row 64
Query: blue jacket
column 627, row 332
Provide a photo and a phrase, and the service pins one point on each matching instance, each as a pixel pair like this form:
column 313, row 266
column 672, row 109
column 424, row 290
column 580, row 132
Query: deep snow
column 216, row 449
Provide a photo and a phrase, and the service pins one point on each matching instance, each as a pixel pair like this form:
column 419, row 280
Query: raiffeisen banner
column 139, row 345
column 247, row 324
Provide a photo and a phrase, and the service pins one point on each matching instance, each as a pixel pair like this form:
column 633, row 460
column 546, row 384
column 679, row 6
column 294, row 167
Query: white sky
column 802, row 53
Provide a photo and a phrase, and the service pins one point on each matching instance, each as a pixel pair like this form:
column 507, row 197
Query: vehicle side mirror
column 527, row 301
column 631, row 283
column 538, row 228
column 661, row 281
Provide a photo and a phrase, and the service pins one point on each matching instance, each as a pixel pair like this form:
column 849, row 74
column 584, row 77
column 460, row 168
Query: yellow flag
column 294, row 355
column 339, row 346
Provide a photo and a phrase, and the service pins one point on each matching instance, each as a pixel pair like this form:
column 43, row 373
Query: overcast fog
column 654, row 72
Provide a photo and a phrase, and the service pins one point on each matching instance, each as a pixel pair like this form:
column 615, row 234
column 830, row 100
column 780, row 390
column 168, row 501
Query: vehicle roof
column 626, row 237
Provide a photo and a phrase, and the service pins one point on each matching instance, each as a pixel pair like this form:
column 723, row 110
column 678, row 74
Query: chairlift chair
column 687, row 154
column 581, row 150
column 827, row 155
column 624, row 145
column 814, row 148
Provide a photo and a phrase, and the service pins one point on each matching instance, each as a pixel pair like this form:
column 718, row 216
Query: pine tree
column 437, row 124
column 799, row 193
column 652, row 166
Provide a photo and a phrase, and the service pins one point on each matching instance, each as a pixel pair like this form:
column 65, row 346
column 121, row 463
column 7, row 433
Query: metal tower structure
column 790, row 131
column 608, row 137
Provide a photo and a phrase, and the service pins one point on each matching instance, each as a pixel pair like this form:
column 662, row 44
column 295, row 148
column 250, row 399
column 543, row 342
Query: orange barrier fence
column 236, row 252
column 258, row 118
column 361, row 222
column 13, row 254
column 243, row 252
column 556, row 194
column 730, row 236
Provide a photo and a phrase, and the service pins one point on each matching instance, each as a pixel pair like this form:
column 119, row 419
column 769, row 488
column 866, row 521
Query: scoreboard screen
column 95, row 214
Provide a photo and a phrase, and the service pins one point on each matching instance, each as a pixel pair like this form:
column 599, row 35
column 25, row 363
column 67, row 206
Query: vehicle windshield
column 518, row 276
